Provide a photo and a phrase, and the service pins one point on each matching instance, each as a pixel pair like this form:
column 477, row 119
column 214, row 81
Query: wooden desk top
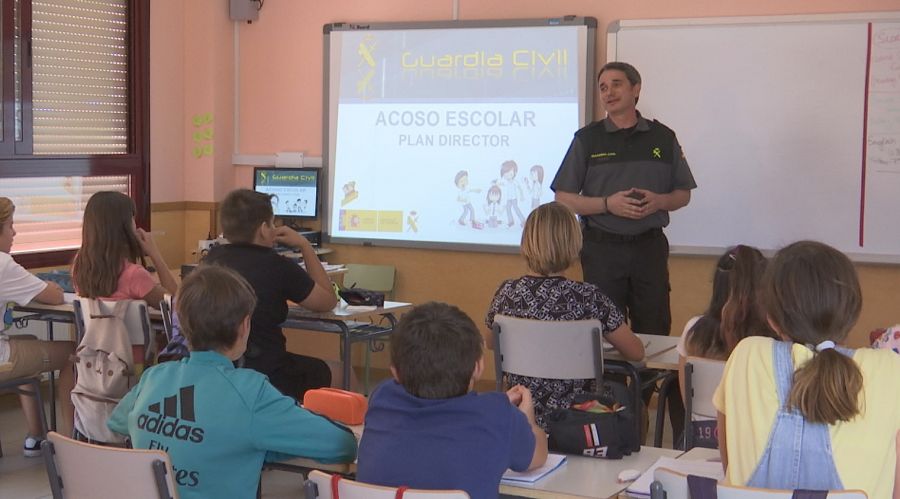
column 583, row 477
column 390, row 307
column 580, row 477
column 656, row 352
column 68, row 310
column 664, row 360
column 346, row 468
column 346, row 314
column 702, row 454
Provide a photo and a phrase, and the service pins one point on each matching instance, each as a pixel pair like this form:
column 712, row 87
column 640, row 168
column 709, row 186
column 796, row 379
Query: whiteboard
column 791, row 126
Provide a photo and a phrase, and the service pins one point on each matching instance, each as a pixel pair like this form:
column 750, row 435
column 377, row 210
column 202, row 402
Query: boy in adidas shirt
column 218, row 423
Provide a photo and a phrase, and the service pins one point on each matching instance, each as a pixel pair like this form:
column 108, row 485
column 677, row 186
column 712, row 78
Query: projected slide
column 450, row 136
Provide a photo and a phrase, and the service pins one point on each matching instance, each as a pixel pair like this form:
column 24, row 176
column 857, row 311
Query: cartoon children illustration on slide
column 412, row 222
column 535, row 185
column 492, row 205
column 511, row 190
column 462, row 197
column 350, row 192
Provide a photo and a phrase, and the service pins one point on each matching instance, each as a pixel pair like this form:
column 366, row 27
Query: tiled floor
column 25, row 478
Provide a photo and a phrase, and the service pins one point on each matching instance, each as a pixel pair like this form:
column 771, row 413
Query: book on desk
column 554, row 461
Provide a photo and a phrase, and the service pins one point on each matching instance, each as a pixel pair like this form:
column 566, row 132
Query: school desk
column 583, row 477
column 345, row 321
column 702, row 454
column 658, row 352
column 580, row 477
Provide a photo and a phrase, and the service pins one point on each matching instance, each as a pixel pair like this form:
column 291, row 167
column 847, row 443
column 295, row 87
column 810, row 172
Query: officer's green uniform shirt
column 604, row 159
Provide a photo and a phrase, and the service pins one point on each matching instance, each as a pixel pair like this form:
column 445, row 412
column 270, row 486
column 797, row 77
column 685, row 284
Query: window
column 75, row 116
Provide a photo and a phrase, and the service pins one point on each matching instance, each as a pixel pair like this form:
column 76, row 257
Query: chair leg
column 369, row 347
column 662, row 399
column 159, row 476
column 49, row 455
column 35, row 384
column 36, row 387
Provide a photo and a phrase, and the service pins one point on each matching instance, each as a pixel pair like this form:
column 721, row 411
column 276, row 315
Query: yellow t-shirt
column 864, row 448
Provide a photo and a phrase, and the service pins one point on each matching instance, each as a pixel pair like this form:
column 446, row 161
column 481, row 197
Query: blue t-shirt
column 465, row 442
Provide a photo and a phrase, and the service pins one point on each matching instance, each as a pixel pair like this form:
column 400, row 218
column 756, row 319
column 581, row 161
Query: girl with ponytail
column 805, row 412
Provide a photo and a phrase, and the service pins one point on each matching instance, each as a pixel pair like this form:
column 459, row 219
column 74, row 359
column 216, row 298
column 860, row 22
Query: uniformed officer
column 623, row 175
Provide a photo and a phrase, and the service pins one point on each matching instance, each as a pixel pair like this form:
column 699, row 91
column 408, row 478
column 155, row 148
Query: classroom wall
column 281, row 108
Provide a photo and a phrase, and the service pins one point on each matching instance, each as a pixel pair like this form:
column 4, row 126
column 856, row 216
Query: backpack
column 104, row 368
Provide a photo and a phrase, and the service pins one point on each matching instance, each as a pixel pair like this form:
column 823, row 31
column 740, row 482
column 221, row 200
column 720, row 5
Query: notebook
column 554, row 461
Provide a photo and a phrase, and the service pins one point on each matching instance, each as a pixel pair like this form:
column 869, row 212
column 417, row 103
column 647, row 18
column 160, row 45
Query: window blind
column 49, row 210
column 80, row 77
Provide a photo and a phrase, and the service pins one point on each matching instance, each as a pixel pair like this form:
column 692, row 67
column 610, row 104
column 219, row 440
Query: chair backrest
column 374, row 277
column 548, row 349
column 319, row 486
column 701, row 377
column 724, row 491
column 669, row 484
column 78, row 469
column 672, row 485
column 137, row 320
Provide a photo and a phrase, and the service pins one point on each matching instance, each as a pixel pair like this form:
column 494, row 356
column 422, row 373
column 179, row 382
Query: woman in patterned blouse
column 551, row 243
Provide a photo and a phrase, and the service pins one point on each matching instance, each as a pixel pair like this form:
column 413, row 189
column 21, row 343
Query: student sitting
column 427, row 429
column 219, row 423
column 27, row 355
column 734, row 310
column 110, row 264
column 806, row 412
column 249, row 225
column 551, row 243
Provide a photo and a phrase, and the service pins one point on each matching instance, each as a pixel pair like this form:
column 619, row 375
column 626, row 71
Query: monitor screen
column 295, row 191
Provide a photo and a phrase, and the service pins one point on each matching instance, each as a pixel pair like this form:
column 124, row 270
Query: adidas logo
column 167, row 417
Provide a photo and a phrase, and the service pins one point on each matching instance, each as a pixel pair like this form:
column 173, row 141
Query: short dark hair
column 242, row 212
column 212, row 302
column 434, row 350
column 630, row 72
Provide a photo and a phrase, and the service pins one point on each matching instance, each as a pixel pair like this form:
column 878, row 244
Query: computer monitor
column 295, row 192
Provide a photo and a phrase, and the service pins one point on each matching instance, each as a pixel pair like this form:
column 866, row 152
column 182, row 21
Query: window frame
column 17, row 160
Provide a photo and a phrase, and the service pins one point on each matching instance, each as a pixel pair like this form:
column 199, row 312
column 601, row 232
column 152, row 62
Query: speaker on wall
column 244, row 10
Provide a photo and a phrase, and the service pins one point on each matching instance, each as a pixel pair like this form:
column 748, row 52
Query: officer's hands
column 652, row 202
column 624, row 204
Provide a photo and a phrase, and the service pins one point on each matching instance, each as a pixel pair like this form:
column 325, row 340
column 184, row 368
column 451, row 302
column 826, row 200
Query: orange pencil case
column 339, row 405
